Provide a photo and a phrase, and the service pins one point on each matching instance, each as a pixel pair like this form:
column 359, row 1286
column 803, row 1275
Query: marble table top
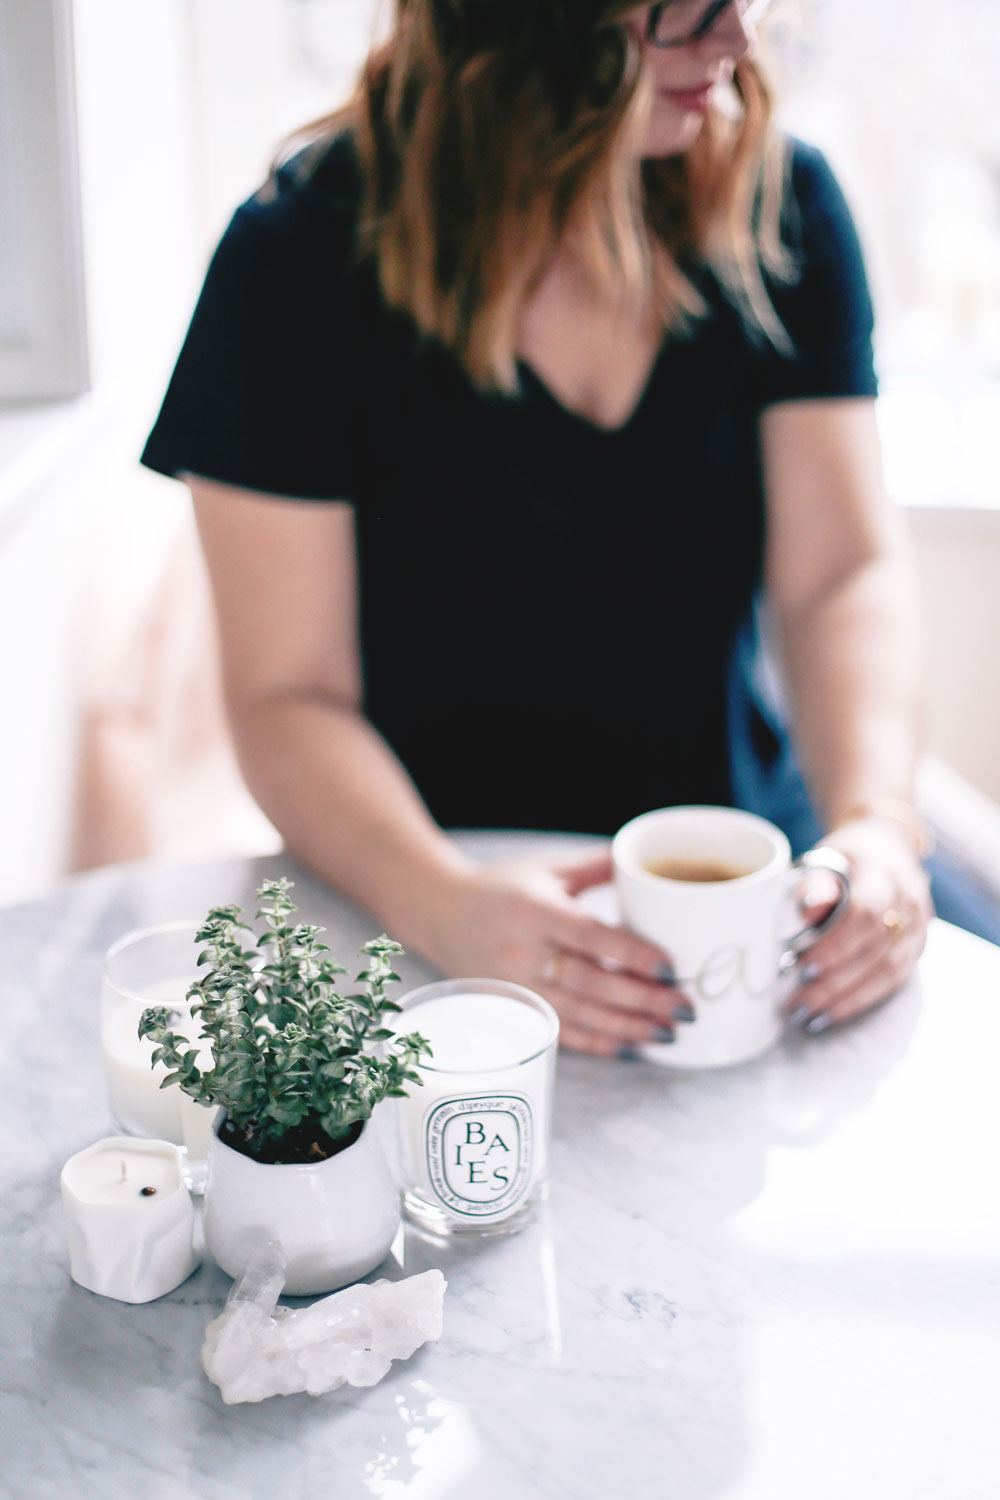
column 767, row 1283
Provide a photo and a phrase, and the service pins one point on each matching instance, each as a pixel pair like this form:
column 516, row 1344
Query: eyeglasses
column 675, row 23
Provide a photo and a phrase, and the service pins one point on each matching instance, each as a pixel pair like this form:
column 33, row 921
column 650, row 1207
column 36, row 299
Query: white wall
column 959, row 557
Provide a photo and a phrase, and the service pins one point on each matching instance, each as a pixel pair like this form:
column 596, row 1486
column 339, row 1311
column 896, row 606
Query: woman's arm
column 285, row 592
column 283, row 578
column 841, row 584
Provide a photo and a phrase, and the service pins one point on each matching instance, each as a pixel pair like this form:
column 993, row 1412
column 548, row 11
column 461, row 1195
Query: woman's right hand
column 518, row 920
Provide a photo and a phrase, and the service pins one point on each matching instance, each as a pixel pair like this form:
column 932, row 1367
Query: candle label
column 480, row 1153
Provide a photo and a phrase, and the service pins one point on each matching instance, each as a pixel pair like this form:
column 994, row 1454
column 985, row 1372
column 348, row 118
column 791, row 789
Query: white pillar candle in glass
column 129, row 1218
column 154, row 966
column 473, row 1140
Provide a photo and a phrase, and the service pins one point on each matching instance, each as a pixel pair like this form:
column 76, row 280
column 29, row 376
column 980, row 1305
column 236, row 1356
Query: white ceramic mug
column 725, row 935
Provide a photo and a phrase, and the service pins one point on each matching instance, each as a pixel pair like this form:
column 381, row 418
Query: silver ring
column 550, row 968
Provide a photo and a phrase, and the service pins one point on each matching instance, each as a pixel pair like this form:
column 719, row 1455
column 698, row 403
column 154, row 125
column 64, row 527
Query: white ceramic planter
column 335, row 1219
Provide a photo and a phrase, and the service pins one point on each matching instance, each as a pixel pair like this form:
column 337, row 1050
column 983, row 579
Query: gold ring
column 896, row 921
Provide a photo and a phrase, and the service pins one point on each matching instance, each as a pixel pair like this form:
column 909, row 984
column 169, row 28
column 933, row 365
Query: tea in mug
column 702, row 871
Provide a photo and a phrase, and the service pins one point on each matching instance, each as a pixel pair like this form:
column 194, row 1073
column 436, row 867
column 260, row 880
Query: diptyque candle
column 129, row 1219
column 473, row 1139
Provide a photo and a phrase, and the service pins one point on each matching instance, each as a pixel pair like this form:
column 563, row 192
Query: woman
column 575, row 355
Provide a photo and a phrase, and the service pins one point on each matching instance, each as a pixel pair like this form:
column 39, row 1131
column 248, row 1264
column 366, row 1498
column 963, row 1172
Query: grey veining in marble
column 768, row 1283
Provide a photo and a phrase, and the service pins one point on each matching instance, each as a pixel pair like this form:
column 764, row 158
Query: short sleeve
column 261, row 395
column 827, row 311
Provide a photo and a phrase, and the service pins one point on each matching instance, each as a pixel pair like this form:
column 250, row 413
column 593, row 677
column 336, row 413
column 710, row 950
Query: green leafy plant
column 297, row 1066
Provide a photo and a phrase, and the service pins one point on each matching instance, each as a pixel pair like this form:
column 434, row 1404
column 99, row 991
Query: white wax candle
column 468, row 1032
column 137, row 1101
column 120, row 1177
column 129, row 1219
column 474, row 1137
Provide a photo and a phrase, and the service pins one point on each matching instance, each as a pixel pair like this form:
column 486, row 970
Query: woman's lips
column 697, row 100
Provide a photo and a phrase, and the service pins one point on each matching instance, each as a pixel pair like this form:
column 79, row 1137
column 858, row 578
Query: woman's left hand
column 874, row 948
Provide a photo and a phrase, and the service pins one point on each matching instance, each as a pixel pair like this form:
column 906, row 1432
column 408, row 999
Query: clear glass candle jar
column 473, row 1139
column 152, row 966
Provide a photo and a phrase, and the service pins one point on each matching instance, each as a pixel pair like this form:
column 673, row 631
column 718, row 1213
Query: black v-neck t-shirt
column 547, row 607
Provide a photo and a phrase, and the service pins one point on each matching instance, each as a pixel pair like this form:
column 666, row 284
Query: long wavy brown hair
column 490, row 132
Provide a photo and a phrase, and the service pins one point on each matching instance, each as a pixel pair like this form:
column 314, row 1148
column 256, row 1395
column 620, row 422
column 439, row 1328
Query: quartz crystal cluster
column 256, row 1349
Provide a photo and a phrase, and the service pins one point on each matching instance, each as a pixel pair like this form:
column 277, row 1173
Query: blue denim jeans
column 767, row 779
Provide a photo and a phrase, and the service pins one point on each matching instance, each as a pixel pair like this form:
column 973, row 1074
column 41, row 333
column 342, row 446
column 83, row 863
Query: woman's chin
column 671, row 131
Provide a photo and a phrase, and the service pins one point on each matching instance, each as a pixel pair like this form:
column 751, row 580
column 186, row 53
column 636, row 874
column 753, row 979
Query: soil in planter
column 308, row 1142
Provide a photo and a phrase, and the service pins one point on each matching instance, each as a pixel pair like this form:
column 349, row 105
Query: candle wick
column 124, row 1176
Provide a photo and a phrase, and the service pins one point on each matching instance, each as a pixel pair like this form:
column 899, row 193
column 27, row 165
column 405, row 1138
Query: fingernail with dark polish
column 628, row 1053
column 666, row 973
column 817, row 1024
column 810, row 973
column 797, row 1016
column 684, row 1011
column 663, row 1034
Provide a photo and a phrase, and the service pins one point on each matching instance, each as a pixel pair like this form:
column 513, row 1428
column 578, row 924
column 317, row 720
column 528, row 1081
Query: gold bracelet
column 897, row 811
